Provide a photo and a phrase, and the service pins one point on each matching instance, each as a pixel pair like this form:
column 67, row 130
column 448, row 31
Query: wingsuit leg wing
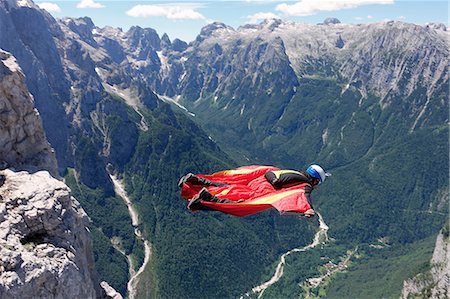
column 289, row 200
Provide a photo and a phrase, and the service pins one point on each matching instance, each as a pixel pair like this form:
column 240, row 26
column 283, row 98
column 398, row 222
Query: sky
column 184, row 19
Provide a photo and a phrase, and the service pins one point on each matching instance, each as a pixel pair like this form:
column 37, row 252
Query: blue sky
column 183, row 19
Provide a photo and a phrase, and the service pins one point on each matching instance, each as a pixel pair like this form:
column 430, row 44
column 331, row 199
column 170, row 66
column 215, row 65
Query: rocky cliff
column 28, row 33
column 434, row 283
column 22, row 137
column 45, row 246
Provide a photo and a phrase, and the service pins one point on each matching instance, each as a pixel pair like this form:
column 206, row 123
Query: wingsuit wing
column 249, row 192
column 239, row 176
column 288, row 200
column 237, row 181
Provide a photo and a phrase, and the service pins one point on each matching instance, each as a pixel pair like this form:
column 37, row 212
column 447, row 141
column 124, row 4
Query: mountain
column 254, row 76
column 367, row 102
column 46, row 249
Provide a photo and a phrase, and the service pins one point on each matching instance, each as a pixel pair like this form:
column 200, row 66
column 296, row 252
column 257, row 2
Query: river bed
column 134, row 275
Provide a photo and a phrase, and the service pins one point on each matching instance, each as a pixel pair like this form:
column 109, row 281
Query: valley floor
column 134, row 275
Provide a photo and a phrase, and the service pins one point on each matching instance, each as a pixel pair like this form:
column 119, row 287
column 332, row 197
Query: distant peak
column 22, row 3
column 165, row 37
column 139, row 33
column 179, row 45
column 437, row 26
column 87, row 21
column 79, row 21
column 165, row 41
column 271, row 24
column 210, row 28
column 329, row 21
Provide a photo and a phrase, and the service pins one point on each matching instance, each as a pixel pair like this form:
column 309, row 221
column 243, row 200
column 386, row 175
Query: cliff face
column 28, row 33
column 22, row 137
column 45, row 246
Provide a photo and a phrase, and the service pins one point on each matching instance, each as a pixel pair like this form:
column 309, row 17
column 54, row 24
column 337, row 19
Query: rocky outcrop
column 45, row 247
column 29, row 34
column 22, row 137
column 434, row 283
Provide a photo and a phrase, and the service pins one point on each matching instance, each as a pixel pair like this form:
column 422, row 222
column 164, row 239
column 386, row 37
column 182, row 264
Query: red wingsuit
column 250, row 192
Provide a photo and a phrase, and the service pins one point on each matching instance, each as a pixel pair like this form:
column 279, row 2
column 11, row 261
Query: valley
column 320, row 237
column 134, row 275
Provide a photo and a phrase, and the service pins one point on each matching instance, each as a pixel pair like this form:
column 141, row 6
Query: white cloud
column 89, row 4
column 310, row 7
column 178, row 11
column 50, row 7
column 370, row 17
column 257, row 17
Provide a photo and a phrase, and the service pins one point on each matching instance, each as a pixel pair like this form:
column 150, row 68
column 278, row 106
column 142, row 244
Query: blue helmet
column 317, row 172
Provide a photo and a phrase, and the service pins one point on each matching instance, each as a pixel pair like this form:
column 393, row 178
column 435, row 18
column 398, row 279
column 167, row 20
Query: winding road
column 134, row 276
column 320, row 237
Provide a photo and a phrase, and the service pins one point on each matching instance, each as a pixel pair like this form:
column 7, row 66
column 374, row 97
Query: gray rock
column 434, row 283
column 45, row 247
column 110, row 292
column 340, row 43
column 437, row 26
column 22, row 137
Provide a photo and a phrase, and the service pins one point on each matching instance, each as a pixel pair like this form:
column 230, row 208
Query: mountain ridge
column 215, row 70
